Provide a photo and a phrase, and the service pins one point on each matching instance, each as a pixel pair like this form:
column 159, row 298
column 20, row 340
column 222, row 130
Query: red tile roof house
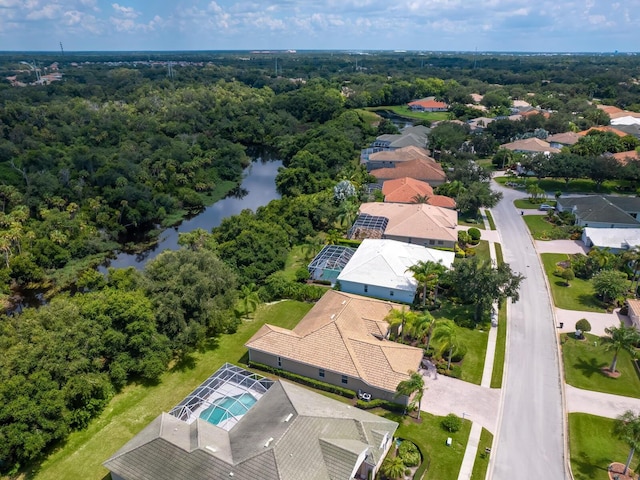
column 428, row 105
column 410, row 190
column 428, row 171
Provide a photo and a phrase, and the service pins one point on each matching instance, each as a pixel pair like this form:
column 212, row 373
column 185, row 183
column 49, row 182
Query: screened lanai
column 328, row 264
column 224, row 397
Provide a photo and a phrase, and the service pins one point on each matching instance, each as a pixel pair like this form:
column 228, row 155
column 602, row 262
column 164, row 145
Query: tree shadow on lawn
column 590, row 468
column 590, row 367
column 591, row 301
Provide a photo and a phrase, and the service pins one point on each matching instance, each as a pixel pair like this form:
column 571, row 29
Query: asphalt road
column 530, row 437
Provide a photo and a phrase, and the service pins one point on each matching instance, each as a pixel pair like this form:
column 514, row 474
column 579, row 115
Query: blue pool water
column 224, row 408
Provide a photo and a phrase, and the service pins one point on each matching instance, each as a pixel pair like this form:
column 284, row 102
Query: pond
column 258, row 188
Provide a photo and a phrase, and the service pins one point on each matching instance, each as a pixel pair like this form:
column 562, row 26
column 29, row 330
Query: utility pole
column 61, row 49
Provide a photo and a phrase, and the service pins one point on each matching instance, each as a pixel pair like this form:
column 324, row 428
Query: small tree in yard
column 583, row 325
column 627, row 428
column 568, row 276
column 393, row 467
column 620, row 338
column 452, row 422
column 610, row 284
column 413, row 386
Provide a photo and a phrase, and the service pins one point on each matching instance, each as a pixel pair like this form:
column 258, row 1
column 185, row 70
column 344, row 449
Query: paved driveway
column 596, row 403
column 561, row 246
column 445, row 395
column 598, row 321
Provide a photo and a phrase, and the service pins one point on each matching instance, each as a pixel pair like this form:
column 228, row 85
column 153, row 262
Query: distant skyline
column 423, row 25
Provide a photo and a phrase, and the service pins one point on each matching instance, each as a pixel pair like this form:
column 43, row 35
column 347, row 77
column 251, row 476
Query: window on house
column 391, row 293
column 279, row 362
column 345, row 380
column 366, row 288
column 432, row 242
column 321, row 372
column 440, row 242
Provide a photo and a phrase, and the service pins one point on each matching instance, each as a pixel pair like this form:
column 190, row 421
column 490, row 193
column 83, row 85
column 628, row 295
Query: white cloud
column 125, row 12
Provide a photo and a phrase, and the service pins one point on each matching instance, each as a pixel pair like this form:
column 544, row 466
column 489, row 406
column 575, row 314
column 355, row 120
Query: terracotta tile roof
column 624, row 157
column 441, row 201
column 566, row 138
column 428, row 104
column 338, row 334
column 624, row 113
column 606, row 128
column 401, row 154
column 476, row 97
column 418, row 221
column 427, row 170
column 530, row 145
column 405, row 189
column 609, row 109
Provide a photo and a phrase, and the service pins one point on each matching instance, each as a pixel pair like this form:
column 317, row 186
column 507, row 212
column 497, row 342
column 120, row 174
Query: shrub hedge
column 309, row 382
column 378, row 402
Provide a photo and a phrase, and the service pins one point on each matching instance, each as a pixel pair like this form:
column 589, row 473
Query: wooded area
column 100, row 160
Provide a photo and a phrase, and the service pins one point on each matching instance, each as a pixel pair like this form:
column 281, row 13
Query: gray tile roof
column 289, row 434
column 604, row 209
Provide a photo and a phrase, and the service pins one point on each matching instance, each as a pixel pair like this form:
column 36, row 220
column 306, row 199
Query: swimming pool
column 228, row 407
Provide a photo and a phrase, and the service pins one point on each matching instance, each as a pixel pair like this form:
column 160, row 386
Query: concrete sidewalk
column 480, row 405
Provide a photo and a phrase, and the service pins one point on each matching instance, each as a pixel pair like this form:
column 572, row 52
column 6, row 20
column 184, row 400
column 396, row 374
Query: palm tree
column 422, row 326
column 250, row 299
column 393, row 467
column 446, row 336
column 620, row 338
column 632, row 256
column 427, row 274
column 627, row 428
column 412, row 388
column 602, row 256
column 400, row 318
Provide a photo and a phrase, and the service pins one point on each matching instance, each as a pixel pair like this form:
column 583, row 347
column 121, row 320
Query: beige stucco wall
column 425, row 242
column 330, row 377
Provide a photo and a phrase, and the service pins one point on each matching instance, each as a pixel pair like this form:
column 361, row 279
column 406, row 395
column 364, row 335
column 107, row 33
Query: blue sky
column 425, row 25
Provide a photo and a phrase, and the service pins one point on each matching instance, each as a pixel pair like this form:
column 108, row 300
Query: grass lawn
column 552, row 185
column 404, row 111
column 492, row 223
column 442, row 462
column 499, row 255
column 131, row 410
column 542, row 230
column 593, row 447
column 579, row 296
column 501, row 345
column 526, row 204
column 474, row 339
column 583, row 363
column 482, row 251
column 298, row 257
column 482, row 459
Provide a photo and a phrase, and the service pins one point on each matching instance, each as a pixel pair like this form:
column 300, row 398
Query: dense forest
column 117, row 149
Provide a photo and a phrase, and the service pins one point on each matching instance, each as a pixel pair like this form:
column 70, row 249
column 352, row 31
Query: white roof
column 384, row 263
column 626, row 120
column 620, row 238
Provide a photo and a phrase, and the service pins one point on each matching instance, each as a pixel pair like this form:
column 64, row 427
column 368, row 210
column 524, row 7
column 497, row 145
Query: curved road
column 530, row 437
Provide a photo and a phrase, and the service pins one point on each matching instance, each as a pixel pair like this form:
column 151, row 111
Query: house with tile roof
column 416, row 136
column 477, row 125
column 283, row 433
column 606, row 128
column 379, row 269
column 530, row 145
column 617, row 240
column 342, row 340
column 565, row 139
column 602, row 211
column 410, row 190
column 392, row 158
column 423, row 169
column 419, row 224
column 625, row 157
column 633, row 306
column 428, row 104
